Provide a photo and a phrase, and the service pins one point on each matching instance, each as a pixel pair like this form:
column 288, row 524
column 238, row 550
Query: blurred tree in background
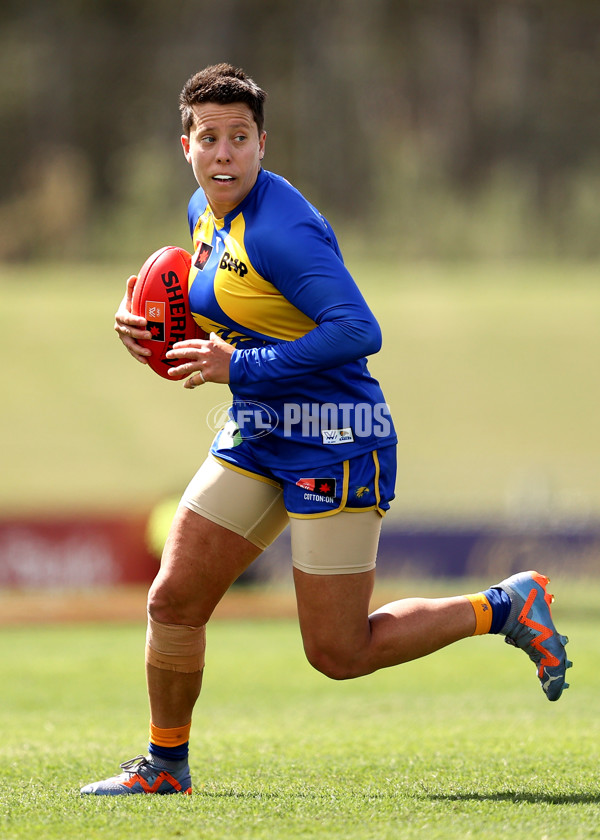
column 437, row 128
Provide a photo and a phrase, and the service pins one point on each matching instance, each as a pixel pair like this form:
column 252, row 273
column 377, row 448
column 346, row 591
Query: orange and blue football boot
column 530, row 627
column 142, row 775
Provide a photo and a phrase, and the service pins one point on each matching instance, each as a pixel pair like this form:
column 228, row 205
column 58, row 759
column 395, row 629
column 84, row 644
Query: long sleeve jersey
column 270, row 280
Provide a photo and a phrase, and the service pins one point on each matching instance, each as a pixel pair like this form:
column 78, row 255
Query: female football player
column 309, row 442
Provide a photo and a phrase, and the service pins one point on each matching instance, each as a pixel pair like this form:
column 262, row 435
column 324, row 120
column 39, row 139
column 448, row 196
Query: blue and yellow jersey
column 270, row 280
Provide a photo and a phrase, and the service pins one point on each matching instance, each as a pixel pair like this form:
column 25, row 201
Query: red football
column 160, row 295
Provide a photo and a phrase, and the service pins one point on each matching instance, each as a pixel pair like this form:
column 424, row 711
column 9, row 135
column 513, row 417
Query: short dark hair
column 224, row 84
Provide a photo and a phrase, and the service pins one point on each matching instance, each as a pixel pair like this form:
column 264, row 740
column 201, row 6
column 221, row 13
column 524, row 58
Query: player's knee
column 170, row 604
column 332, row 663
column 162, row 605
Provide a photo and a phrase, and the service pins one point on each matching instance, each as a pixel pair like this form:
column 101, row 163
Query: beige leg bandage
column 175, row 647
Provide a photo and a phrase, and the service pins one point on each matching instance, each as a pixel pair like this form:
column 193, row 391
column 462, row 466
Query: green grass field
column 491, row 372
column 461, row 744
column 492, row 375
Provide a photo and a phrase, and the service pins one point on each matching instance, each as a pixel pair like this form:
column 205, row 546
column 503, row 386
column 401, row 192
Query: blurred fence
column 100, row 552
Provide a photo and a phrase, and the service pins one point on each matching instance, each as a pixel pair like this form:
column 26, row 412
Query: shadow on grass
column 513, row 796
column 371, row 796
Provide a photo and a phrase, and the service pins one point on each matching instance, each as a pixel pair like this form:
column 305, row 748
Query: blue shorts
column 365, row 482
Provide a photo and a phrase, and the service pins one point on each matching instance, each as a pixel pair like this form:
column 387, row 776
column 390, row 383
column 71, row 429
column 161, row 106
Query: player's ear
column 185, row 142
column 261, row 145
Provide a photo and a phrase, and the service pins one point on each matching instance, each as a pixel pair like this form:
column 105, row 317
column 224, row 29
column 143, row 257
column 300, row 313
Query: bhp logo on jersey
column 233, row 264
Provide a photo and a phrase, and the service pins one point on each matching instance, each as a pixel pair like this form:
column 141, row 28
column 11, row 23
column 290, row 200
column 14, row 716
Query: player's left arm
column 305, row 265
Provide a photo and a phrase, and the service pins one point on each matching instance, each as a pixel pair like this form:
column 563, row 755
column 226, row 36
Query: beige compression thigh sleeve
column 343, row 544
column 248, row 505
column 175, row 647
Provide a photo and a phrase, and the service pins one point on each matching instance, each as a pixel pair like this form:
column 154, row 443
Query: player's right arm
column 130, row 327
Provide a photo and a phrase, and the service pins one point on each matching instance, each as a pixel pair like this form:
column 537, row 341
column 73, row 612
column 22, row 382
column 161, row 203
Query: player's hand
column 130, row 328
column 206, row 359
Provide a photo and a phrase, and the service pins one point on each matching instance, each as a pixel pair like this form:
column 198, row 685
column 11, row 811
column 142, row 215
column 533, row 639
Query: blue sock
column 500, row 603
column 177, row 753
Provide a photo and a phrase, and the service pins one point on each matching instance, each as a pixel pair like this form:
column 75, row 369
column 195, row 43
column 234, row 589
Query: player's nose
column 223, row 151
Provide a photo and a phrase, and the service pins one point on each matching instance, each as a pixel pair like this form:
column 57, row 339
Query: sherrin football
column 160, row 295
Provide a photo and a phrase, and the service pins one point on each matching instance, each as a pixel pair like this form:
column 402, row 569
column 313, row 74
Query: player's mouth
column 223, row 179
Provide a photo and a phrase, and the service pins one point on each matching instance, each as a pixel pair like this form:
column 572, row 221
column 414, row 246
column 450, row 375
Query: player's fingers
column 187, row 356
column 133, row 331
column 138, row 353
column 132, row 346
column 190, row 344
column 211, row 357
column 184, row 369
column 129, row 287
column 195, row 380
column 124, row 317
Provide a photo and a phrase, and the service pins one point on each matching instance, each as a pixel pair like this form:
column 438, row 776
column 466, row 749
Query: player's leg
column 343, row 640
column 211, row 542
column 200, row 562
column 340, row 637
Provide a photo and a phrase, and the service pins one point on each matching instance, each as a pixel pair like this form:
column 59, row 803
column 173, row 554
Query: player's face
column 224, row 149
